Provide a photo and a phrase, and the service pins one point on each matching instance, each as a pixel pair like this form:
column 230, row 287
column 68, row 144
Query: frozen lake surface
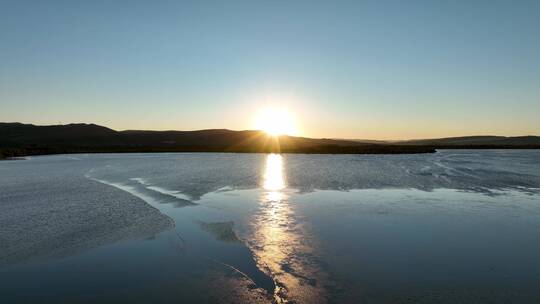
column 457, row 226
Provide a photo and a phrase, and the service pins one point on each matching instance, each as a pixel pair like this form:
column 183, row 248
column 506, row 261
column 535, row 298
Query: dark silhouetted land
column 17, row 139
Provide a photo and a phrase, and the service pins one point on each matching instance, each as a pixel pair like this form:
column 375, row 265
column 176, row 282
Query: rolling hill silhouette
column 477, row 140
column 18, row 139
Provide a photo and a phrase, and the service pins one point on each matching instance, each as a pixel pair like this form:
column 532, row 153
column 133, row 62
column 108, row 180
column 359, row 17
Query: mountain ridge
column 463, row 140
column 27, row 139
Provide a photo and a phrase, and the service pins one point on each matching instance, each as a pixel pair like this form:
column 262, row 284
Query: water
column 454, row 226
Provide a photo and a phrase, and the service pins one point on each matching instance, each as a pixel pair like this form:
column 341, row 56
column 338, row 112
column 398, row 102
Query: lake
column 456, row 226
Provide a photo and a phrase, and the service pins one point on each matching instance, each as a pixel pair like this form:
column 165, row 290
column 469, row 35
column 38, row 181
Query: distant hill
column 18, row 134
column 26, row 139
column 464, row 141
column 476, row 141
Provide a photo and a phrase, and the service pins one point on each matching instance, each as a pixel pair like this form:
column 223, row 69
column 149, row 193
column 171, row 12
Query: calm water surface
column 450, row 227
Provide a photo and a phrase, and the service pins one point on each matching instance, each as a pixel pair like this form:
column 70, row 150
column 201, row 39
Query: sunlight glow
column 275, row 121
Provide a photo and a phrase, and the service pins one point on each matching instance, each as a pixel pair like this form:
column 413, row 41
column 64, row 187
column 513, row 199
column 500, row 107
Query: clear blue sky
column 356, row 69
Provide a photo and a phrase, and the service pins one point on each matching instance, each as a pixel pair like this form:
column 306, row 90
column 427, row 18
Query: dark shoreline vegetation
column 9, row 153
column 17, row 139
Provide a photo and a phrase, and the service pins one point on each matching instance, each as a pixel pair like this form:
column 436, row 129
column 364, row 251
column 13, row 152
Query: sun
column 275, row 121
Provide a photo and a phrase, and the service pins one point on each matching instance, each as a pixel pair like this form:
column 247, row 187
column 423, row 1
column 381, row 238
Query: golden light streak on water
column 279, row 242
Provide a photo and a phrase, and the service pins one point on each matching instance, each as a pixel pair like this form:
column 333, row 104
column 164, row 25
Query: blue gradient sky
column 356, row 69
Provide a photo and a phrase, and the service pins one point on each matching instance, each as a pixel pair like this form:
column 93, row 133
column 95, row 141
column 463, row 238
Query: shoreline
column 10, row 153
column 7, row 154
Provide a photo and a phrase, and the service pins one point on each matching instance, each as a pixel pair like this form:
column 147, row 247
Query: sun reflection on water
column 279, row 241
column 273, row 177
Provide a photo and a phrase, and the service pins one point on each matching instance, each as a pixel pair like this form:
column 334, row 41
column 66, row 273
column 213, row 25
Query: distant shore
column 18, row 139
column 20, row 153
column 375, row 149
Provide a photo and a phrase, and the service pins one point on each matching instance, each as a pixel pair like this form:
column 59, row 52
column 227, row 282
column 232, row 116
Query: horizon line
column 254, row 130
